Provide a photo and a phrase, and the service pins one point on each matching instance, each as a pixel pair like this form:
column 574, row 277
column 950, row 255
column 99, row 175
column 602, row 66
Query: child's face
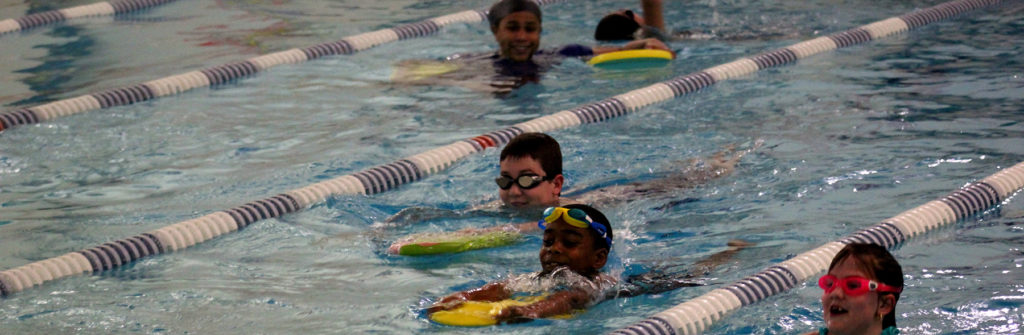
column 518, row 36
column 845, row 314
column 544, row 194
column 572, row 247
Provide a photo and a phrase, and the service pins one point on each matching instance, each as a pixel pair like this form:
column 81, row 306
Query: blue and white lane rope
column 698, row 314
column 225, row 73
column 385, row 177
column 59, row 15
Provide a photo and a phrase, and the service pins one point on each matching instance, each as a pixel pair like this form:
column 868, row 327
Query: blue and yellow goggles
column 575, row 217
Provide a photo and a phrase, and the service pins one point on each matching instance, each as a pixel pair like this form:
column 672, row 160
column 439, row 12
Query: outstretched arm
column 662, row 280
column 652, row 13
column 705, row 266
column 418, row 214
column 491, row 292
column 562, row 302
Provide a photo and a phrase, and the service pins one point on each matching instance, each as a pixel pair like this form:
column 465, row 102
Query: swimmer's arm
column 524, row 227
column 562, row 302
column 652, row 13
column 705, row 266
column 418, row 214
column 647, row 43
column 496, row 291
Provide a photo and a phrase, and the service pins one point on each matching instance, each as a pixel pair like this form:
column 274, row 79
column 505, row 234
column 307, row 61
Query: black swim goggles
column 575, row 217
column 525, row 182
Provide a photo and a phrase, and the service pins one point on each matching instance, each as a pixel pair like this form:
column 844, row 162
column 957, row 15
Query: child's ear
column 558, row 180
column 886, row 304
column 600, row 257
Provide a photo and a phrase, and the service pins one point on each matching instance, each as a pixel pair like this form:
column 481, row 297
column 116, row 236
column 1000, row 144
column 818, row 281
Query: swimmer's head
column 874, row 308
column 516, row 27
column 580, row 242
column 503, row 8
column 618, row 26
column 539, row 146
column 538, row 157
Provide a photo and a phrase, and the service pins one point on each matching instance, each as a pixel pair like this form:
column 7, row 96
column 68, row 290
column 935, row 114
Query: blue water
column 852, row 137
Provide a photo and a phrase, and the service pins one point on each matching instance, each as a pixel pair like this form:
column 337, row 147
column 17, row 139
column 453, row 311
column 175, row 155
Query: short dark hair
column 615, row 27
column 538, row 146
column 878, row 263
column 503, row 8
column 598, row 217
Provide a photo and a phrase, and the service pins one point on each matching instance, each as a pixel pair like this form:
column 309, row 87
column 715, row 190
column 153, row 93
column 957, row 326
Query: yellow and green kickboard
column 483, row 313
column 452, row 242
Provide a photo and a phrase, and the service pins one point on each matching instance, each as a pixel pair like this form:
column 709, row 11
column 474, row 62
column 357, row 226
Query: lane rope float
column 59, row 15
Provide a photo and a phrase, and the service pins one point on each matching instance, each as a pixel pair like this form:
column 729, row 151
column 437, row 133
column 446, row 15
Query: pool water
column 851, row 137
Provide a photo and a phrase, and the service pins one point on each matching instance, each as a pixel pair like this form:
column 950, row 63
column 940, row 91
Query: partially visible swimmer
column 627, row 25
column 529, row 180
column 576, row 243
column 516, row 26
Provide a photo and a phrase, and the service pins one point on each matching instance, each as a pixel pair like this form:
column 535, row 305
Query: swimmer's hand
column 448, row 303
column 515, row 314
column 491, row 292
column 648, row 43
column 560, row 303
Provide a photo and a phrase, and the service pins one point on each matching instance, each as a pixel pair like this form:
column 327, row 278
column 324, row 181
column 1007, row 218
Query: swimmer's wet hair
column 538, row 146
column 615, row 27
column 598, row 217
column 503, row 8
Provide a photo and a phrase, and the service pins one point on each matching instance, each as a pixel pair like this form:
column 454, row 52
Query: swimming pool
column 864, row 132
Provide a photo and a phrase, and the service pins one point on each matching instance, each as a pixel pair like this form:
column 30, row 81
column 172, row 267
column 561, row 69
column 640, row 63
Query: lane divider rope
column 225, row 73
column 386, row 177
column 59, row 15
column 698, row 314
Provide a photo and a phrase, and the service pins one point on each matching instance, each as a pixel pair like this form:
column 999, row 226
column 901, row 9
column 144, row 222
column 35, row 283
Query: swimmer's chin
column 547, row 268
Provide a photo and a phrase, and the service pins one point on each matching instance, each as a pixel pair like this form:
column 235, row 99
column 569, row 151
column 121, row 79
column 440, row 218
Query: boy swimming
column 530, row 179
column 576, row 243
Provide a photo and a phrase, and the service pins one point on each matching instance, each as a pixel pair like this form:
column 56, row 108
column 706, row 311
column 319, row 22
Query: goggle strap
column 553, row 213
